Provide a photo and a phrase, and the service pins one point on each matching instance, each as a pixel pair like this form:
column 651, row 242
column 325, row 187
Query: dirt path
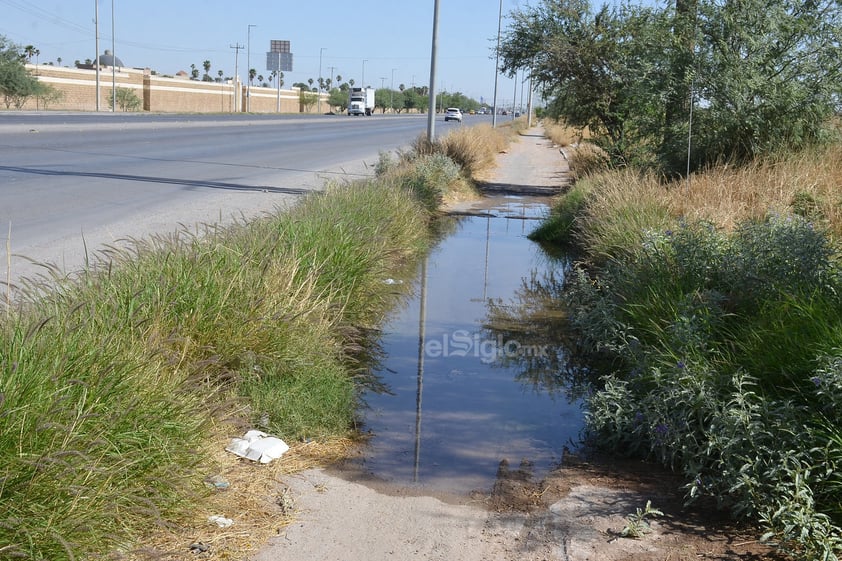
column 578, row 513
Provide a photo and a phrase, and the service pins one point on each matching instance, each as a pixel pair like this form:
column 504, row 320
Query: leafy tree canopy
column 16, row 83
column 756, row 74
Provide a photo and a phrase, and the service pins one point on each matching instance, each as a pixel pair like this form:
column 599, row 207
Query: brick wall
column 158, row 94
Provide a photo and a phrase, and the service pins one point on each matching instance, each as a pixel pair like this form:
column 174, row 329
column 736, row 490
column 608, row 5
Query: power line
column 46, row 15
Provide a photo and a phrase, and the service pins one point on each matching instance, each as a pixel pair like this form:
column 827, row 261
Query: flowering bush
column 727, row 367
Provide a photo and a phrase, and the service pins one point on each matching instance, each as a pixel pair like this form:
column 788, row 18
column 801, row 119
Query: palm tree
column 207, row 67
column 252, row 75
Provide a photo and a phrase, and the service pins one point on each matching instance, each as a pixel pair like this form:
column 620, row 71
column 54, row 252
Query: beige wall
column 158, row 94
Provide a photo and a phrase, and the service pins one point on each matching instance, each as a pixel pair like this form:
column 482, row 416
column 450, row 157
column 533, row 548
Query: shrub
column 725, row 350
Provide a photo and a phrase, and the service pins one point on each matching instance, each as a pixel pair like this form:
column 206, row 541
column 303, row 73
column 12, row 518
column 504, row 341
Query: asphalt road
column 70, row 183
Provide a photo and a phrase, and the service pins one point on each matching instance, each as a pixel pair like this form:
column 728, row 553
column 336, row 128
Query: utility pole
column 392, row 91
column 497, row 66
column 237, row 48
column 113, row 64
column 431, row 117
column 248, row 70
column 320, row 81
column 96, row 54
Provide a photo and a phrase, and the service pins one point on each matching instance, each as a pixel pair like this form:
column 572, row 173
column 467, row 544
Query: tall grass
column 111, row 382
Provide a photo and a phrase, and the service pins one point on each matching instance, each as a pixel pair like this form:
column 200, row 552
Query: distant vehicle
column 453, row 114
column 361, row 101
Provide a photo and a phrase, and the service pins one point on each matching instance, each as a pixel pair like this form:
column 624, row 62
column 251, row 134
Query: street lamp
column 319, row 106
column 248, row 71
column 431, row 113
column 497, row 66
column 113, row 64
column 362, row 85
column 392, row 91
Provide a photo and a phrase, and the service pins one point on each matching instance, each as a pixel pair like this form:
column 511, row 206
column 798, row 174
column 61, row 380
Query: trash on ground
column 217, row 482
column 220, row 521
column 258, row 446
column 199, row 547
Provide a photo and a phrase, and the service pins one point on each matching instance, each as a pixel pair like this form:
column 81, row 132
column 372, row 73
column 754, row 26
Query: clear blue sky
column 393, row 37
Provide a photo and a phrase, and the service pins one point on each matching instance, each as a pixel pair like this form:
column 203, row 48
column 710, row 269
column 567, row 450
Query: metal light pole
column 319, row 106
column 514, row 99
column 362, row 85
column 236, row 81
column 113, row 64
column 431, row 117
column 278, row 83
column 497, row 66
column 248, row 70
column 392, row 91
column 96, row 54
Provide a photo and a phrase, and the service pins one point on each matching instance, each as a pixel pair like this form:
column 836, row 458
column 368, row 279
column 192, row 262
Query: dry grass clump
column 253, row 497
column 624, row 201
column 807, row 184
column 585, row 158
column 563, row 134
column 474, row 148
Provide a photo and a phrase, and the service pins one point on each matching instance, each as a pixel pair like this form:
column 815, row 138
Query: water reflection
column 535, row 319
column 463, row 392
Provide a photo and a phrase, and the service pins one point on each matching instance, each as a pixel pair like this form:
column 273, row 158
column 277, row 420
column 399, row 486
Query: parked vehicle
column 453, row 114
column 361, row 101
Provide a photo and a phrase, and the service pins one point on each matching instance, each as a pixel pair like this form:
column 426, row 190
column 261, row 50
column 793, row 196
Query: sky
column 386, row 43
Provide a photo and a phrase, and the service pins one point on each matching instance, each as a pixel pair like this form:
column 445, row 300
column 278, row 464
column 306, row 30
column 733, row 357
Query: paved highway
column 74, row 181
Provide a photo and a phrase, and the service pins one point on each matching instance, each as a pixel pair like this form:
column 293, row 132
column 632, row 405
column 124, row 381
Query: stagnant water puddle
column 471, row 362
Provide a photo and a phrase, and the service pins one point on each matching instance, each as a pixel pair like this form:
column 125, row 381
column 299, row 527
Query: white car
column 453, row 114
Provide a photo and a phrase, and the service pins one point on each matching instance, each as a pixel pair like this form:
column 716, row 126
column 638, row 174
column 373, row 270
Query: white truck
column 361, row 101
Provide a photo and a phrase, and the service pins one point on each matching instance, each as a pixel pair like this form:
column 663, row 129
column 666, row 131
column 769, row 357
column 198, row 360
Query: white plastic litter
column 258, row 446
column 220, row 521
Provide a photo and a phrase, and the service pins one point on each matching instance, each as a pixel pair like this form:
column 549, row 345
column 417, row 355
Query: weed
column 637, row 526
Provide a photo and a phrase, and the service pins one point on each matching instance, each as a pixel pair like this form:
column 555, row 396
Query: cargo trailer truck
column 361, row 101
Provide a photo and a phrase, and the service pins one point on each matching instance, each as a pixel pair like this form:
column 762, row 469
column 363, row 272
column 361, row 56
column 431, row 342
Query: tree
column 770, row 75
column 307, row 100
column 339, row 99
column 17, row 85
column 194, row 72
column 127, row 100
column 756, row 74
column 207, row 66
column 411, row 99
column 252, row 75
